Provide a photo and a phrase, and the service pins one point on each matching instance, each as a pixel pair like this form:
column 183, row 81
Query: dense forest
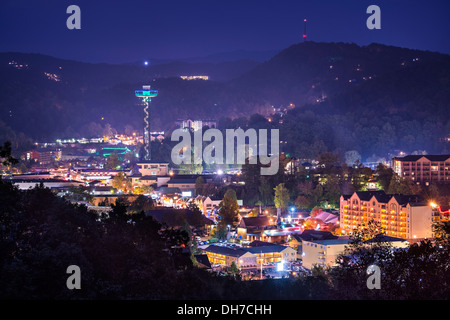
column 375, row 100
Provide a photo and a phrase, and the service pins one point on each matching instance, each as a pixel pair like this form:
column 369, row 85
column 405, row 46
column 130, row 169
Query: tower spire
column 304, row 29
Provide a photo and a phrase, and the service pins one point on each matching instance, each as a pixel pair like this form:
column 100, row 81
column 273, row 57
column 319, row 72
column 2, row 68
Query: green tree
column 199, row 184
column 265, row 192
column 80, row 193
column 234, row 269
column 302, row 202
column 281, row 197
column 121, row 182
column 384, row 175
column 5, row 156
column 112, row 162
column 399, row 185
column 328, row 160
column 228, row 209
column 332, row 190
column 141, row 204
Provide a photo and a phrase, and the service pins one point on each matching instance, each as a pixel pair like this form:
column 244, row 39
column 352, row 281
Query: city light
column 144, row 212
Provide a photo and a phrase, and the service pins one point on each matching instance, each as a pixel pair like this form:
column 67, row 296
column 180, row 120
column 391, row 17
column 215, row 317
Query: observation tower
column 146, row 95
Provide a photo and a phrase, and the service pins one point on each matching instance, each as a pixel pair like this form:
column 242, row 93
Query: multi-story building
column 45, row 156
column 194, row 77
column 151, row 168
column 226, row 256
column 423, row 168
column 322, row 252
column 186, row 185
column 273, row 254
column 195, row 125
column 250, row 256
column 325, row 252
column 398, row 215
column 207, row 205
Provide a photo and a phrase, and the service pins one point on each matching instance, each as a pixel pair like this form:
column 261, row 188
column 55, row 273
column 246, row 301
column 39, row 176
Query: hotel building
column 423, row 168
column 398, row 215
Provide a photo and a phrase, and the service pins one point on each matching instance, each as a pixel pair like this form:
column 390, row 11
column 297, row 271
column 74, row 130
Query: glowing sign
column 146, row 93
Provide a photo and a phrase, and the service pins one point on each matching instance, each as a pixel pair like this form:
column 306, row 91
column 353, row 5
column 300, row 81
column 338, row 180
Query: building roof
column 181, row 181
column 384, row 238
column 431, row 157
column 367, row 195
column 232, row 252
column 215, row 198
column 330, row 242
column 152, row 162
column 148, row 178
column 258, row 243
column 327, row 217
column 383, row 197
column 266, row 249
column 404, row 199
column 255, row 222
column 203, row 260
column 171, row 190
column 278, row 233
column 311, row 234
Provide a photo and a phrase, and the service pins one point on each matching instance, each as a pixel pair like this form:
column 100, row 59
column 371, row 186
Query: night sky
column 134, row 30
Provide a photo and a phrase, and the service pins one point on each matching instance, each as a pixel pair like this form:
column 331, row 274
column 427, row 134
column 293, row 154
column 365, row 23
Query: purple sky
column 132, row 30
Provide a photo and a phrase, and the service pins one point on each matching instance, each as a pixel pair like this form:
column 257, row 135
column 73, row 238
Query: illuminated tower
column 146, row 94
column 304, row 30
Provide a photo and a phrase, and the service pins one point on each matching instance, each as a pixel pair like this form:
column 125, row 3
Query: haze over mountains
column 257, row 56
column 48, row 98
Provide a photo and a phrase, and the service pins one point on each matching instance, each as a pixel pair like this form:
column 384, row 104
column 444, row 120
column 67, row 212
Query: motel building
column 248, row 257
column 273, row 254
column 322, row 252
column 226, row 256
column 325, row 252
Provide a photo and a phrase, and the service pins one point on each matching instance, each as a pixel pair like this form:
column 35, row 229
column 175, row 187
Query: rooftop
column 431, row 157
column 265, row 249
column 225, row 250
column 330, row 242
column 259, row 222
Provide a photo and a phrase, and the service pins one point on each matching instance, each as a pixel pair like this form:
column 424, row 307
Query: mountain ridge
column 322, row 78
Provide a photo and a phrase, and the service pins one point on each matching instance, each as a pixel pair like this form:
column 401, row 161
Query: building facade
column 423, row 169
column 325, row 252
column 148, row 168
column 398, row 215
column 322, row 252
column 226, row 256
column 250, row 256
